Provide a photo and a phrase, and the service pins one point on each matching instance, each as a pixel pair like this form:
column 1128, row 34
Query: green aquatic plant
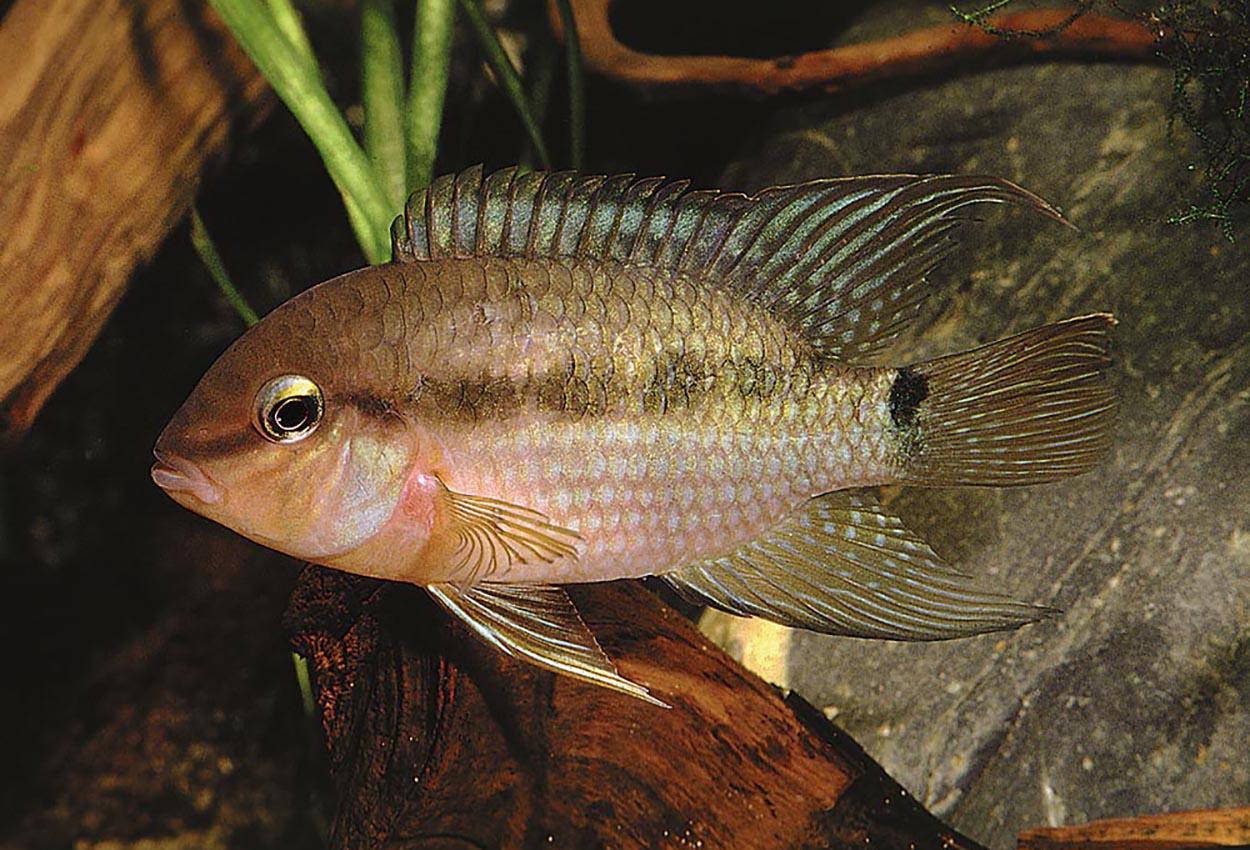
column 1207, row 44
column 209, row 256
column 272, row 35
column 401, row 112
column 981, row 18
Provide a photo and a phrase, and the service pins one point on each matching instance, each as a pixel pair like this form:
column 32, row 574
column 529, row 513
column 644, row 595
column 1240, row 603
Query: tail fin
column 1023, row 410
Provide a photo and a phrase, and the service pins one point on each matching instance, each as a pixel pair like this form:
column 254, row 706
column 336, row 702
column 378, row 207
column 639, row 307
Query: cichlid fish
column 563, row 379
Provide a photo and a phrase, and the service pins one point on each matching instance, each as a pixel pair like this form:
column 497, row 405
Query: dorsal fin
column 843, row 260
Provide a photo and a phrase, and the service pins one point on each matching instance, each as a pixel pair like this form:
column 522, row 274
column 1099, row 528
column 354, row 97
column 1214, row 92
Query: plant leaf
column 382, row 97
column 577, row 97
column 427, row 89
column 204, row 246
column 506, row 75
column 288, row 70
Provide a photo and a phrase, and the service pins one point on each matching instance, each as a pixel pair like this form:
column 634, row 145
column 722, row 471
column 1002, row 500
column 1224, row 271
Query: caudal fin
column 1023, row 410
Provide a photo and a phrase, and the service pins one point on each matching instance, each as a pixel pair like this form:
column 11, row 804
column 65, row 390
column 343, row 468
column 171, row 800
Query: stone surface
column 1134, row 700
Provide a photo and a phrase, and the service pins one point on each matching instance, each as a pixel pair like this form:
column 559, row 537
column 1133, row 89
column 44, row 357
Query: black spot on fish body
column 906, row 393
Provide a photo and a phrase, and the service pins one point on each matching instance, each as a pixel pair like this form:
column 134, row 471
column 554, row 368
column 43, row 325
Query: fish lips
column 180, row 477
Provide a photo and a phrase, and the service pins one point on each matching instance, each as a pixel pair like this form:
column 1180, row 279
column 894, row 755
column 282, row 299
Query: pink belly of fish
column 646, row 496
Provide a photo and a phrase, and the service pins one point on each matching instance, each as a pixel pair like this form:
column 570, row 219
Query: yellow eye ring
column 288, row 408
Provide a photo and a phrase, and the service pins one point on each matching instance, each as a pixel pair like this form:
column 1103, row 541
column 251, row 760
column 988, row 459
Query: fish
column 563, row 379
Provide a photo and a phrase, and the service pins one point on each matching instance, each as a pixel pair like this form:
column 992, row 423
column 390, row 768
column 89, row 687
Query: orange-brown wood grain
column 108, row 112
column 435, row 737
column 1175, row 831
column 925, row 50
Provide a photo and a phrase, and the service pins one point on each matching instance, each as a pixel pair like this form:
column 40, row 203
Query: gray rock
column 1134, row 700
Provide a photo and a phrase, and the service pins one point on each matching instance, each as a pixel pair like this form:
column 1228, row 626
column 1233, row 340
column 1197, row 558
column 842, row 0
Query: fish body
column 657, row 419
column 562, row 380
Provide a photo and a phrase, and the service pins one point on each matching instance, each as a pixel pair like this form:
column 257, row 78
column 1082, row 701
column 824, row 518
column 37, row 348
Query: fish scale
column 818, row 434
column 550, row 330
column 706, row 488
column 566, row 379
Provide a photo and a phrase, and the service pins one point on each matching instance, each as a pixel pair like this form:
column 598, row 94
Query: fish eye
column 288, row 408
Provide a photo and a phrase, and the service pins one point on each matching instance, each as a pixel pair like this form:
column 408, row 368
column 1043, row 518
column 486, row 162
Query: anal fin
column 843, row 565
column 537, row 623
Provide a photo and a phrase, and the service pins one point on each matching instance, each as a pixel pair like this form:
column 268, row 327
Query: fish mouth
column 176, row 475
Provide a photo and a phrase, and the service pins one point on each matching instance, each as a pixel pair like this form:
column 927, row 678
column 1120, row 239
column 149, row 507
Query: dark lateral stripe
column 473, row 399
column 370, row 404
column 677, row 382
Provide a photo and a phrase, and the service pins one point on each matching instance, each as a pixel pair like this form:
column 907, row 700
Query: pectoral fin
column 482, row 537
column 539, row 624
column 843, row 565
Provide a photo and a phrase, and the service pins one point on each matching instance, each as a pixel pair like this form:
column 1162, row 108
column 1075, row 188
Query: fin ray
column 1030, row 408
column 843, row 565
column 485, row 537
column 844, row 261
column 539, row 624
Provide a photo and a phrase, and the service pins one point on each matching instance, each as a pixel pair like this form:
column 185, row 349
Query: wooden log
column 435, row 737
column 108, row 112
column 1174, row 831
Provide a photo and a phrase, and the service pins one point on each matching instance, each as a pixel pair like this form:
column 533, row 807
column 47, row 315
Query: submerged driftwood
column 916, row 53
column 437, row 740
column 108, row 112
column 1201, row 830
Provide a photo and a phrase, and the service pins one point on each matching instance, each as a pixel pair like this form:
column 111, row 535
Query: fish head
column 285, row 442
